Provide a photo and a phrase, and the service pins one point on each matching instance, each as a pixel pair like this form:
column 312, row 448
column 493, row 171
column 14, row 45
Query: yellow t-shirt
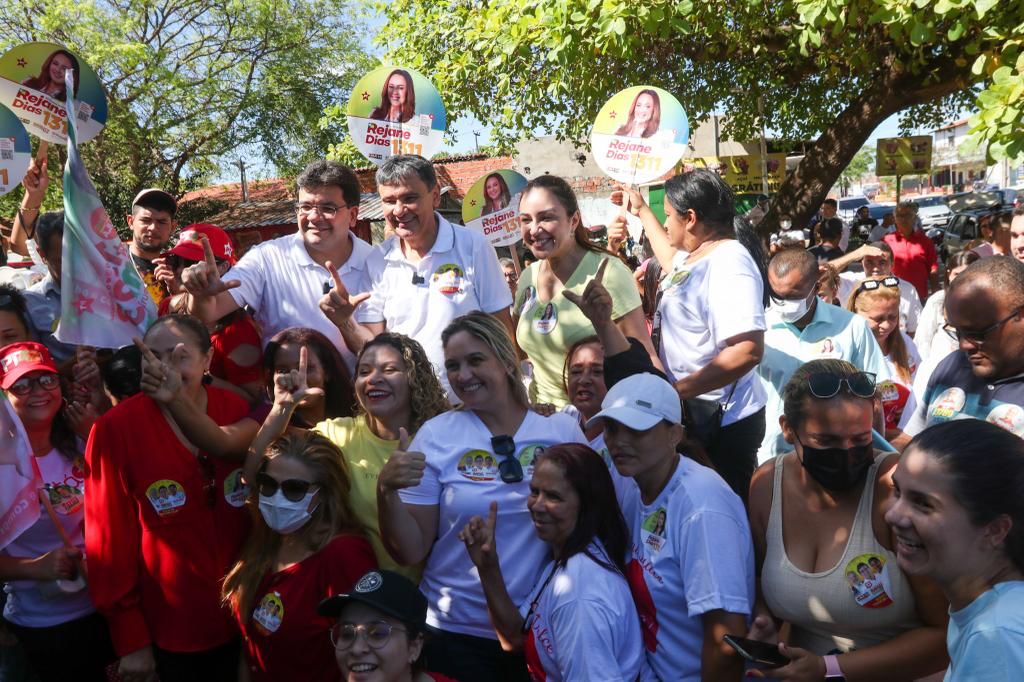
column 365, row 455
column 548, row 329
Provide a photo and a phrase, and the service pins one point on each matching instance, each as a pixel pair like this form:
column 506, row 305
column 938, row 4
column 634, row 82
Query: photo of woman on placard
column 644, row 115
column 397, row 98
column 50, row 80
column 496, row 194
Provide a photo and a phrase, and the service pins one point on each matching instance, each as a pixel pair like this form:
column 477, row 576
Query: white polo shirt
column 282, row 283
column 910, row 302
column 460, row 274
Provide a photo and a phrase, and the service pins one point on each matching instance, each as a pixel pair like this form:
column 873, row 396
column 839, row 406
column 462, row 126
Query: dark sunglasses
column 978, row 337
column 825, row 386
column 872, row 284
column 509, row 468
column 23, row 386
column 294, row 489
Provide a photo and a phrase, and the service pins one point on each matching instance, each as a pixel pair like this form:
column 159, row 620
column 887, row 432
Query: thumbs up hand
column 403, row 469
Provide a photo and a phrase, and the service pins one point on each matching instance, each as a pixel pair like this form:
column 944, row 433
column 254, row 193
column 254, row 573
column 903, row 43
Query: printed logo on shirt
column 65, row 496
column 894, row 400
column 478, row 465
column 528, row 458
column 78, row 468
column 166, row 496
column 545, row 319
column 269, row 614
column 676, row 278
column 948, row 404
column 235, row 489
column 1010, row 417
column 868, row 579
column 644, row 604
column 448, row 279
column 652, row 530
column 527, row 299
column 828, row 348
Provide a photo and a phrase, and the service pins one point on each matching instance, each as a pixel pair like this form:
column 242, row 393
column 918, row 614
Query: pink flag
column 19, row 504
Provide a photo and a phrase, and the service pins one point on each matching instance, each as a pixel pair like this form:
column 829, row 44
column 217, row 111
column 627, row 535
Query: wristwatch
column 833, row 673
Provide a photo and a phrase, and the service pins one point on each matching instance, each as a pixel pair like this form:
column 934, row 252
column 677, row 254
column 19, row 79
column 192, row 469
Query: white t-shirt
column 460, row 274
column 910, row 302
column 462, row 478
column 282, row 283
column 583, row 623
column 691, row 553
column 40, row 604
column 703, row 305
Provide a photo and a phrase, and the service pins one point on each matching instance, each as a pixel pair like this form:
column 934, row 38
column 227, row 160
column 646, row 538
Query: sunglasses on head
column 872, row 284
column 509, row 468
column 293, row 489
column 825, row 386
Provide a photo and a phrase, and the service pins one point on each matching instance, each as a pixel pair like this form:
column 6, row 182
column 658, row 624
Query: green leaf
column 956, row 31
column 619, row 26
column 983, row 6
column 979, row 64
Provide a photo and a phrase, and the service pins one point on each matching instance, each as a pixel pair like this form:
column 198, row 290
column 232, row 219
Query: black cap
column 388, row 592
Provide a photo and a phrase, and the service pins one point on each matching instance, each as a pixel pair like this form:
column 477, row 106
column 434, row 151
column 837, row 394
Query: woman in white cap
column 379, row 630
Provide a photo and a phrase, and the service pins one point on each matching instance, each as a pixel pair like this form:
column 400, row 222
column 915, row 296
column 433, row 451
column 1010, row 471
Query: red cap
column 190, row 247
column 18, row 359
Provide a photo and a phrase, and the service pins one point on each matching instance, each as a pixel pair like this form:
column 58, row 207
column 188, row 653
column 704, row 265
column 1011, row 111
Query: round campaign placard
column 396, row 111
column 640, row 134
column 491, row 206
column 15, row 151
column 32, row 86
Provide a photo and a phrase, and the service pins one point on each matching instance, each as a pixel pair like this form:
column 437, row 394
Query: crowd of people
column 410, row 461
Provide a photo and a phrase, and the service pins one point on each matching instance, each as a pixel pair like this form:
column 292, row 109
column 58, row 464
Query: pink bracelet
column 832, row 669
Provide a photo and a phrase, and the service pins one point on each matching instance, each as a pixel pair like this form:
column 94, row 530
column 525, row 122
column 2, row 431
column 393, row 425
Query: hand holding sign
column 338, row 304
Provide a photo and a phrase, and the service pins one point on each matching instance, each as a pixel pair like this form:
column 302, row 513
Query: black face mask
column 838, row 469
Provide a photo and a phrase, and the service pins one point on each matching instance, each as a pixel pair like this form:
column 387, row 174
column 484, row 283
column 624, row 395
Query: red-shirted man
column 914, row 257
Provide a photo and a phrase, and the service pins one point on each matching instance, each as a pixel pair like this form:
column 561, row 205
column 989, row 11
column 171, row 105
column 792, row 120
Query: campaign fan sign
column 393, row 111
column 32, row 86
column 491, row 206
column 15, row 151
column 640, row 134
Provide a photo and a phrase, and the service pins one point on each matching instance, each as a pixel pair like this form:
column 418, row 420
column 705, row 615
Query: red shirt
column 240, row 331
column 913, row 259
column 157, row 550
column 284, row 637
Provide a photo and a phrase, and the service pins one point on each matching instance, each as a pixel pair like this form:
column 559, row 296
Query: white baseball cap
column 640, row 402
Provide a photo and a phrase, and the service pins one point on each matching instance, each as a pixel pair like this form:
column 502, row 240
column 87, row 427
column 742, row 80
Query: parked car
column 966, row 208
column 933, row 211
column 847, row 209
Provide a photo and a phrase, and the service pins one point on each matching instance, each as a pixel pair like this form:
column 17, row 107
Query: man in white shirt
column 427, row 274
column 284, row 279
column 879, row 264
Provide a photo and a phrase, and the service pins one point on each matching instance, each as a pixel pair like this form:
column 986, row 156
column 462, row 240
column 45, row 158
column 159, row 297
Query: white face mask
column 283, row 515
column 791, row 311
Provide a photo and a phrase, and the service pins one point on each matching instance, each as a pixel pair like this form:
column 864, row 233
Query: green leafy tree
column 191, row 82
column 828, row 70
column 862, row 163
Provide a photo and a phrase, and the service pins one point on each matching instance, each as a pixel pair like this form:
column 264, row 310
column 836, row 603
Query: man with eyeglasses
column 802, row 328
column 284, row 279
column 984, row 379
column 913, row 253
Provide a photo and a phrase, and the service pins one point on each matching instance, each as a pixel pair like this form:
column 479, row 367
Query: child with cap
column 380, row 629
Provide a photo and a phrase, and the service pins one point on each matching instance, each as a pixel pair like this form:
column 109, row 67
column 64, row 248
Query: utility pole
column 476, row 140
column 764, row 146
column 245, row 186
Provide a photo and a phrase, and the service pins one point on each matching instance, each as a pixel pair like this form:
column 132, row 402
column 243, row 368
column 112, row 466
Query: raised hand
column 628, row 196
column 292, row 388
column 338, row 304
column 404, row 469
column 203, row 278
column 618, row 233
column 478, row 536
column 161, row 381
column 595, row 302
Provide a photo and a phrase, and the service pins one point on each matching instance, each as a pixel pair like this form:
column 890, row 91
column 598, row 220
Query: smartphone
column 760, row 653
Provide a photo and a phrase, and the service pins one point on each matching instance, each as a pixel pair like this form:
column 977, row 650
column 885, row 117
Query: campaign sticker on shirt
column 653, row 530
column 269, row 613
column 868, row 579
column 235, row 490
column 478, row 465
column 66, row 496
column 894, row 400
column 448, row 279
column 828, row 348
column 166, row 496
column 1010, row 417
column 528, row 457
column 948, row 404
column 527, row 299
column 676, row 278
column 545, row 319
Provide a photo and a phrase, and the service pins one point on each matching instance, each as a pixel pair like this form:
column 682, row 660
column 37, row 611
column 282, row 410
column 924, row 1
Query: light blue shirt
column 833, row 333
column 43, row 302
column 986, row 638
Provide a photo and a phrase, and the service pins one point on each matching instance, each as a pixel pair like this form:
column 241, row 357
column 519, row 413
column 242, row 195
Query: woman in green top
column 396, row 390
column 547, row 323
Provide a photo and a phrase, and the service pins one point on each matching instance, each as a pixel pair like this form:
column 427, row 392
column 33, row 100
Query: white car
column 933, row 211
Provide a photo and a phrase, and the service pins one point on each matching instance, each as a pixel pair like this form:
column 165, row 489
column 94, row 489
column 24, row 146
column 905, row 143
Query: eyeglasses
column 872, row 284
column 294, row 489
column 23, row 386
column 825, row 386
column 326, row 210
column 978, row 337
column 344, row 635
column 509, row 468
